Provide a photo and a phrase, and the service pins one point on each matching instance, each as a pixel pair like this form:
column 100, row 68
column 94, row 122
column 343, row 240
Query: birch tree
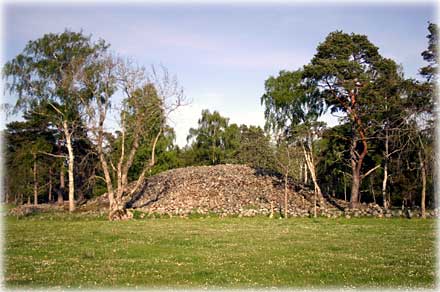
column 293, row 105
column 47, row 71
column 148, row 99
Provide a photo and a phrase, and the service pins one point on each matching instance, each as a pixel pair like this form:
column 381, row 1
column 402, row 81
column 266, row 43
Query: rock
column 27, row 210
column 229, row 189
column 236, row 190
column 23, row 211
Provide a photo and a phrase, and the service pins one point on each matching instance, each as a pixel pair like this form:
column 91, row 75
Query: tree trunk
column 386, row 203
column 81, row 196
column 354, row 200
column 314, row 204
column 50, row 186
column 285, row 195
column 423, row 195
column 62, row 186
column 107, row 177
column 356, row 166
column 305, row 174
column 311, row 167
column 118, row 210
column 345, row 189
column 70, row 168
column 372, row 189
column 35, row 180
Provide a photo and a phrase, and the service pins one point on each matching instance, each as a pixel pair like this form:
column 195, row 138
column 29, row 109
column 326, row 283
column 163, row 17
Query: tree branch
column 370, row 171
column 53, row 155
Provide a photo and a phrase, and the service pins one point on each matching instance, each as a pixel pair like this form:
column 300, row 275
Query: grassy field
column 68, row 251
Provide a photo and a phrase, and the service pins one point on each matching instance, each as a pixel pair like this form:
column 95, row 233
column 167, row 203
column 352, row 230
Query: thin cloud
column 262, row 60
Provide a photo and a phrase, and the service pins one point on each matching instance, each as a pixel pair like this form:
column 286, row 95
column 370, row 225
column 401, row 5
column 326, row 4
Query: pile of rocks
column 237, row 190
column 27, row 209
column 222, row 189
column 374, row 210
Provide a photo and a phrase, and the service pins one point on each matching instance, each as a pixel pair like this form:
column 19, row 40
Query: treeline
column 73, row 91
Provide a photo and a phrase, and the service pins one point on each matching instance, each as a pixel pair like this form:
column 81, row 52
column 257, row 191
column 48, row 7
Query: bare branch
column 370, row 171
column 52, row 155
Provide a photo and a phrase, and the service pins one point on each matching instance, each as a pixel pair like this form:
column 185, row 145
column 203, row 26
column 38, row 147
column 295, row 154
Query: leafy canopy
column 47, row 70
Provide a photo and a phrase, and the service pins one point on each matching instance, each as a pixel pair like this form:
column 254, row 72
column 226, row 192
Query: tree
column 286, row 158
column 166, row 155
column 389, row 117
column 255, row 148
column 27, row 146
column 148, row 99
column 47, row 71
column 420, row 101
column 292, row 106
column 209, row 139
column 334, row 165
column 346, row 67
column 430, row 55
column 232, row 137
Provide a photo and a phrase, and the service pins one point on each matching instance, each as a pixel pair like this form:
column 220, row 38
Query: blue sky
column 223, row 53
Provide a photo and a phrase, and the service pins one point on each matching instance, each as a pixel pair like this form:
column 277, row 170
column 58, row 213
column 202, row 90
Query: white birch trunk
column 68, row 135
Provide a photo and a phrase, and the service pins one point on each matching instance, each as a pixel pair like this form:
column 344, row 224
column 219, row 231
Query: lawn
column 89, row 252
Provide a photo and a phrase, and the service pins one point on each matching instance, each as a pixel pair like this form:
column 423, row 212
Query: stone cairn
column 236, row 190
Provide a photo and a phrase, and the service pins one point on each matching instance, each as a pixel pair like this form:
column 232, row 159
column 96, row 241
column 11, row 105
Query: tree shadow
column 141, row 193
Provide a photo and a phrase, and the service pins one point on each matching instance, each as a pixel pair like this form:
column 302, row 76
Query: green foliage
column 143, row 115
column 46, row 72
column 399, row 113
column 334, row 167
column 289, row 101
column 212, row 140
column 143, row 112
column 292, row 106
column 57, row 75
column 430, row 55
column 216, row 141
column 350, row 70
column 166, row 155
column 255, row 148
column 25, row 143
column 36, row 137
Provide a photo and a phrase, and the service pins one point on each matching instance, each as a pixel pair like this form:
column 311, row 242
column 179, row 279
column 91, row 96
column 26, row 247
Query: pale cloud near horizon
column 187, row 116
column 261, row 60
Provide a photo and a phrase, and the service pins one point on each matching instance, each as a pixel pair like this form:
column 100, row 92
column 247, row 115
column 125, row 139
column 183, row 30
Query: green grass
column 69, row 251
